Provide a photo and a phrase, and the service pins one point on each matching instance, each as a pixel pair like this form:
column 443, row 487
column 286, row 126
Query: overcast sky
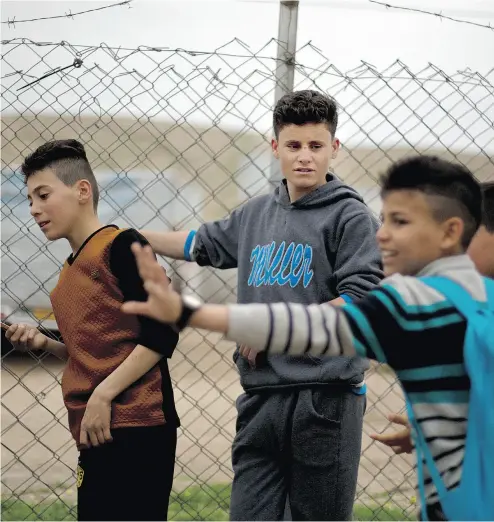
column 345, row 30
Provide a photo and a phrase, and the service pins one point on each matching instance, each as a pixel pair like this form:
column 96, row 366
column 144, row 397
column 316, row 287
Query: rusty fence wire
column 176, row 138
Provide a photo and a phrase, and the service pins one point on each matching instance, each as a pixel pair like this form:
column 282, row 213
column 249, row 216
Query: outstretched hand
column 163, row 303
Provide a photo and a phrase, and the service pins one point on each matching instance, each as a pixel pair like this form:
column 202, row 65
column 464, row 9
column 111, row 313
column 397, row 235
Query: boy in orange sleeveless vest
column 116, row 384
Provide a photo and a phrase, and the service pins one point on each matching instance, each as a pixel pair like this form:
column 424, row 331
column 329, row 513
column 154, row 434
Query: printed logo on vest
column 289, row 265
column 80, row 476
column 94, row 273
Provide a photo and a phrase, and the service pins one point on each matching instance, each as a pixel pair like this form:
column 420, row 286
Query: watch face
column 191, row 301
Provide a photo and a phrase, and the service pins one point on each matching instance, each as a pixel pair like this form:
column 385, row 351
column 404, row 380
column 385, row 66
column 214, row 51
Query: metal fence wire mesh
column 177, row 138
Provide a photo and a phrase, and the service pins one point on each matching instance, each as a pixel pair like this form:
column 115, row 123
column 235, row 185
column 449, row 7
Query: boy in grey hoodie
column 299, row 425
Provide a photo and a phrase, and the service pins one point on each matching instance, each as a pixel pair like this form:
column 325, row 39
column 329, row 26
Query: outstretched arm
column 394, row 324
column 214, row 244
column 321, row 329
column 169, row 244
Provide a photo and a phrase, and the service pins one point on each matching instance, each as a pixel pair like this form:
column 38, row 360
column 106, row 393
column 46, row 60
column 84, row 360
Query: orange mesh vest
column 99, row 337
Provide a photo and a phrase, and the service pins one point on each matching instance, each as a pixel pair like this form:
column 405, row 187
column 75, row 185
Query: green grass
column 379, row 512
column 15, row 509
column 194, row 503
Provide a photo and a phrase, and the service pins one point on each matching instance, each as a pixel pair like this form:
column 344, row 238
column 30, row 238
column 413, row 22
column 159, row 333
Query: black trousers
column 129, row 478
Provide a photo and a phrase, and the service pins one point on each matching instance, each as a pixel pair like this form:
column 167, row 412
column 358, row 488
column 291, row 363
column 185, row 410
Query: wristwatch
column 189, row 305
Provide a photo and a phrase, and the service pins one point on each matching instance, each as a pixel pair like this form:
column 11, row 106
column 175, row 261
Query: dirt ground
column 38, row 453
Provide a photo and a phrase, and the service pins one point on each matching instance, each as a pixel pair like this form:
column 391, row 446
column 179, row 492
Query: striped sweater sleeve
column 294, row 329
column 396, row 323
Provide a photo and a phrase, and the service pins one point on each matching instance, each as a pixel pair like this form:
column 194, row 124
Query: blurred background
column 173, row 103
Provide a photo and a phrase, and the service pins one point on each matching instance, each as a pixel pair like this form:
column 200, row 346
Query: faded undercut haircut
column 451, row 189
column 67, row 159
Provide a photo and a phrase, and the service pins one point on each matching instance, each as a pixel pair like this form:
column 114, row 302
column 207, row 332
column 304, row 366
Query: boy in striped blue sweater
column 481, row 251
column 431, row 212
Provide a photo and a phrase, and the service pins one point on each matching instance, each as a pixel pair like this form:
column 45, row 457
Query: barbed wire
column 470, row 77
column 438, row 15
column 13, row 21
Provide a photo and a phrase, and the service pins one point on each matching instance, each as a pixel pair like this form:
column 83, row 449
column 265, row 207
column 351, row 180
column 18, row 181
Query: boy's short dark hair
column 68, row 160
column 488, row 205
column 302, row 107
column 451, row 189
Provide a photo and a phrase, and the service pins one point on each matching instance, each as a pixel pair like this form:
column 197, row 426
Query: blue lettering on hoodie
column 286, row 264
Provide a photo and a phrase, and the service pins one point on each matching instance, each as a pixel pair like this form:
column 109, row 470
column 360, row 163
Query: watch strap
column 184, row 318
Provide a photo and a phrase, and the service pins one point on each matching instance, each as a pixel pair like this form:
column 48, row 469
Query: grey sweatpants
column 302, row 445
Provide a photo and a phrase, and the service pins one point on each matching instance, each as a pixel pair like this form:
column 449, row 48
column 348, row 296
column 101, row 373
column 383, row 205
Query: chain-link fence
column 177, row 138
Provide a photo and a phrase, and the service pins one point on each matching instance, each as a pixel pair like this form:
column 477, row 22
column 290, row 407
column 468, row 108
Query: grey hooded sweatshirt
column 314, row 250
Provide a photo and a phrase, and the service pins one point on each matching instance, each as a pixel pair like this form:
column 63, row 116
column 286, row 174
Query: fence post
column 285, row 63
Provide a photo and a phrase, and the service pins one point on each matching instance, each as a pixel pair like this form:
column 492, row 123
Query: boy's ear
column 453, row 232
column 335, row 145
column 85, row 191
column 274, row 147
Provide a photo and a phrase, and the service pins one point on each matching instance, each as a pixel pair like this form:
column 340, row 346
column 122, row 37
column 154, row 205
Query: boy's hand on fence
column 95, row 425
column 24, row 337
column 399, row 442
